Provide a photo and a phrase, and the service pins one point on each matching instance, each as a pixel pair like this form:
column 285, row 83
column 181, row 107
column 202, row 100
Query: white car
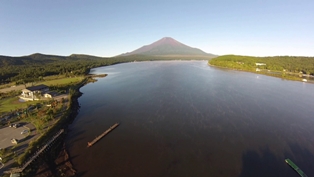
column 14, row 141
column 24, row 131
column 15, row 125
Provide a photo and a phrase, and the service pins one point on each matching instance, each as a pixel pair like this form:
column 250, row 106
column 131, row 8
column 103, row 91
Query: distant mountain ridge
column 38, row 58
column 167, row 46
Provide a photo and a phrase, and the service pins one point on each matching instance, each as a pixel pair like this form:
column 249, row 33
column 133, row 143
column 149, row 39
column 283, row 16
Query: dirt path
column 18, row 87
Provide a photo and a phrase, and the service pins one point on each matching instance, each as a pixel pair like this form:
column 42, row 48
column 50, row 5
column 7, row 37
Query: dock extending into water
column 89, row 144
column 296, row 168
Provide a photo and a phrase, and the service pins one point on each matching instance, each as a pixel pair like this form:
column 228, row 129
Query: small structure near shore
column 260, row 64
column 51, row 94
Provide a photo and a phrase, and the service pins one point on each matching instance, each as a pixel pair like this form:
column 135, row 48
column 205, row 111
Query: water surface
column 182, row 118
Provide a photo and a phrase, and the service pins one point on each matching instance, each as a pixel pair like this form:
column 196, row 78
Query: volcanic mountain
column 168, row 46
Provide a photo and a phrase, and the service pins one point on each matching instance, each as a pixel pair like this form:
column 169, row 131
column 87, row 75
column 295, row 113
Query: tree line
column 33, row 68
column 293, row 64
column 36, row 66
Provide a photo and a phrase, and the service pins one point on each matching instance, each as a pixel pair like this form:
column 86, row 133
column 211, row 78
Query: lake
column 185, row 118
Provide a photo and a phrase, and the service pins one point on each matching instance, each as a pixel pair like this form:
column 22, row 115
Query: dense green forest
column 34, row 67
column 276, row 63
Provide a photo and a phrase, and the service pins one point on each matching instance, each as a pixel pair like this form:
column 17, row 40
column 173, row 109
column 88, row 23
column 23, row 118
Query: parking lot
column 8, row 133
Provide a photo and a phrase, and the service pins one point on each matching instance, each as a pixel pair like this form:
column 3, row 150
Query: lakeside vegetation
column 12, row 103
column 34, row 68
column 63, row 81
column 47, row 120
column 9, row 100
column 288, row 67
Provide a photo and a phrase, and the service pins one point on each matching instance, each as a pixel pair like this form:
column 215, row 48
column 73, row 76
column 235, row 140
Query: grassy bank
column 286, row 67
column 10, row 102
column 61, row 123
column 63, row 81
column 57, row 119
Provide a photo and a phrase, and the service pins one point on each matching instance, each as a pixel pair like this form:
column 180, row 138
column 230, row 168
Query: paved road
column 5, row 141
column 8, row 133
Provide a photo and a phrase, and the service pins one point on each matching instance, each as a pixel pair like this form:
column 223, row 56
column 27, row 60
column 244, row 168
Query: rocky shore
column 62, row 166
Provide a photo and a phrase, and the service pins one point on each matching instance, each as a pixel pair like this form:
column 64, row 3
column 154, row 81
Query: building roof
column 52, row 93
column 37, row 87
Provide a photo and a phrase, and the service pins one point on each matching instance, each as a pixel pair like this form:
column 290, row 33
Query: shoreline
column 63, row 161
column 61, row 164
column 261, row 73
column 63, row 154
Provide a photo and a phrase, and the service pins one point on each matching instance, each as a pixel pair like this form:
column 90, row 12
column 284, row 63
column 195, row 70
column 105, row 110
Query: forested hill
column 38, row 58
column 277, row 63
column 34, row 67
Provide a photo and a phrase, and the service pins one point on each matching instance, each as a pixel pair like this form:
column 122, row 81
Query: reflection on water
column 189, row 119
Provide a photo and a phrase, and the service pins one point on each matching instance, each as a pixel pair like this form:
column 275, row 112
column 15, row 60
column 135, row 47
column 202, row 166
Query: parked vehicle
column 16, row 125
column 31, row 108
column 14, row 141
column 24, row 132
column 7, row 117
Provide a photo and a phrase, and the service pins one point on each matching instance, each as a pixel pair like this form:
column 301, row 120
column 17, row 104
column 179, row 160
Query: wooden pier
column 89, row 144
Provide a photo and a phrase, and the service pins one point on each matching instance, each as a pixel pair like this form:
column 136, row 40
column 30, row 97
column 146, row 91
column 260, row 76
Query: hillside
column 41, row 59
column 34, row 67
column 294, row 64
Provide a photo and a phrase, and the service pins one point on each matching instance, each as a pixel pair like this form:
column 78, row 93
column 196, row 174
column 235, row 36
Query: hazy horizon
column 261, row 28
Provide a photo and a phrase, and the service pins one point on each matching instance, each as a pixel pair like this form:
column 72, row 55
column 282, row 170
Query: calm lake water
column 185, row 118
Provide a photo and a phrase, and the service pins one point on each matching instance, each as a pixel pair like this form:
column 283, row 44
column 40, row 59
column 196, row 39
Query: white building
column 260, row 64
column 30, row 92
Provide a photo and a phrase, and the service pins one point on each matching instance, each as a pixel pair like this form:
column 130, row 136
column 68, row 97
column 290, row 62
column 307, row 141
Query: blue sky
column 112, row 27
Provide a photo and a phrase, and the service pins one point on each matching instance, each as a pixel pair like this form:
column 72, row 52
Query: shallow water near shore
column 185, row 118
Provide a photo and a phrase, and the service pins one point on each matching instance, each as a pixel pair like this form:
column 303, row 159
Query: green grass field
column 46, row 78
column 11, row 104
column 51, row 80
column 63, row 81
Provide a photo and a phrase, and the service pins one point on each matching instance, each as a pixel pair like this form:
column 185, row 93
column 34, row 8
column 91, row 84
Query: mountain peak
column 167, row 41
column 167, row 46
